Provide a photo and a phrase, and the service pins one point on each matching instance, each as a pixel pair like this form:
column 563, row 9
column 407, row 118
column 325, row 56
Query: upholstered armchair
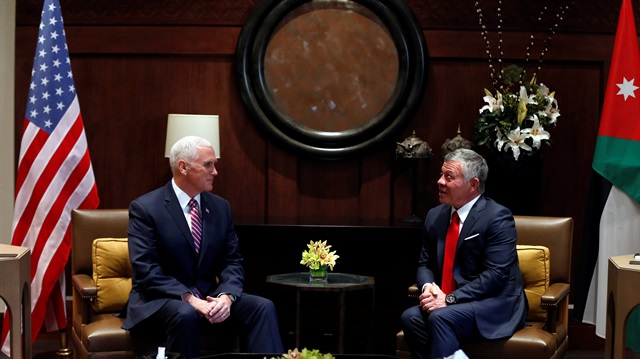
column 544, row 252
column 101, row 279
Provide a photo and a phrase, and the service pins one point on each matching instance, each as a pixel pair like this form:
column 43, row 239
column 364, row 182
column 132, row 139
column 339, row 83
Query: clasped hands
column 432, row 298
column 215, row 310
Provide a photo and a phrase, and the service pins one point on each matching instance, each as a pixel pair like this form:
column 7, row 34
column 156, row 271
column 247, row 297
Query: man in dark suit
column 474, row 289
column 187, row 268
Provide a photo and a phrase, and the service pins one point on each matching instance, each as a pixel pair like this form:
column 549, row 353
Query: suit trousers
column 252, row 317
column 438, row 334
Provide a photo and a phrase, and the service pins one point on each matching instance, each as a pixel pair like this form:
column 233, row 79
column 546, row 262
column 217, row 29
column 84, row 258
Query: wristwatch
column 231, row 296
column 450, row 299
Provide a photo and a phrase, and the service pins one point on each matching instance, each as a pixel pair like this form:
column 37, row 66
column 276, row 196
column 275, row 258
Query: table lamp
column 180, row 125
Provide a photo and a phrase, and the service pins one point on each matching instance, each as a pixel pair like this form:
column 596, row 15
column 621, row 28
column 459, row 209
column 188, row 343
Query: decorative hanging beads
column 496, row 79
column 552, row 31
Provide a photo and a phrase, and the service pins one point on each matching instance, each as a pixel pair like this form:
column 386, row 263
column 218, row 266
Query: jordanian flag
column 613, row 216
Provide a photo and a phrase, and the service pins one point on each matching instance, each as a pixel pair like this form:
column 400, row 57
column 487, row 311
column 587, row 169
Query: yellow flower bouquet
column 304, row 354
column 318, row 255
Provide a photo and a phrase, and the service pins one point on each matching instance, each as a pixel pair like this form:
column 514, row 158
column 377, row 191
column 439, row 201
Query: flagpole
column 64, row 351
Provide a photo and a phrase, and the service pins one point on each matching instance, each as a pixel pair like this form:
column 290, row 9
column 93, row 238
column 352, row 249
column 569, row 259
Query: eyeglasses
column 209, row 165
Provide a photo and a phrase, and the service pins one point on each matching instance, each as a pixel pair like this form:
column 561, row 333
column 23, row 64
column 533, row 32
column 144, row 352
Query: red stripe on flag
column 62, row 249
column 57, row 209
column 52, row 168
column 50, row 282
column 92, row 200
column 54, row 216
column 26, row 161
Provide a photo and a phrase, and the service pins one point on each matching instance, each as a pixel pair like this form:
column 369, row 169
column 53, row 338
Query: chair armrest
column 556, row 300
column 84, row 292
column 84, row 285
column 554, row 294
column 413, row 293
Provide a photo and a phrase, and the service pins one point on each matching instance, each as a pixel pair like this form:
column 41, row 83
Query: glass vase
column 318, row 277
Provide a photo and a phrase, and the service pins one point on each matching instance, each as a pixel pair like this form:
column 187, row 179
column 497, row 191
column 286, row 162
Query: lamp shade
column 180, row 125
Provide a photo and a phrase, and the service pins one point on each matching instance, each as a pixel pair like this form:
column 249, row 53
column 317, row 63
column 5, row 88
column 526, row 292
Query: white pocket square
column 475, row 235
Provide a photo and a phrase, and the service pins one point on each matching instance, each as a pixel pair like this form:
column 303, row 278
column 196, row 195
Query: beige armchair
column 101, row 279
column 544, row 251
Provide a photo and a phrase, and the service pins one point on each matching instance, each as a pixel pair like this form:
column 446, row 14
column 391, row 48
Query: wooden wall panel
column 593, row 16
column 128, row 99
column 283, row 196
column 329, row 191
column 567, row 165
column 375, row 198
column 243, row 168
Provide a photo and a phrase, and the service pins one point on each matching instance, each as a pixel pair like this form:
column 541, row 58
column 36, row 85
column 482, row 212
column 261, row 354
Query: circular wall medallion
column 329, row 79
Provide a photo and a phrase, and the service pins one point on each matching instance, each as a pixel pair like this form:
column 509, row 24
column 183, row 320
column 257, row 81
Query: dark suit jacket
column 163, row 256
column 485, row 268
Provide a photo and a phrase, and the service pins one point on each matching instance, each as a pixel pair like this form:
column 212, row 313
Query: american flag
column 54, row 174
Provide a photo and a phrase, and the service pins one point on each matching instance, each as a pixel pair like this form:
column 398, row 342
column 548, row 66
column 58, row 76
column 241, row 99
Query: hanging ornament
column 496, row 77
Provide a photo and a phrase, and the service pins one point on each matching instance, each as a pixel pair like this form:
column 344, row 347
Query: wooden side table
column 622, row 296
column 15, row 289
column 337, row 282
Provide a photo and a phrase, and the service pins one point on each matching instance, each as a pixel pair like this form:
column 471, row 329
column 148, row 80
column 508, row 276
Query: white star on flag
column 627, row 88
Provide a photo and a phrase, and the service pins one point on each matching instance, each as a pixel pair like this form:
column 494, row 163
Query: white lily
column 493, row 104
column 500, row 139
column 523, row 100
column 513, row 108
column 551, row 110
column 516, row 142
column 537, row 133
column 543, row 90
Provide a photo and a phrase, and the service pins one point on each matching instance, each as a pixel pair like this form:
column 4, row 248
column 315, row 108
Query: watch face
column 450, row 299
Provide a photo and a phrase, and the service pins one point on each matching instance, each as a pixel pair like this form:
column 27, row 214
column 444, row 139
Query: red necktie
column 196, row 224
column 448, row 283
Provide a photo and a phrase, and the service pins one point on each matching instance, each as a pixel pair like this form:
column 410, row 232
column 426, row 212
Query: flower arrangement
column 318, row 254
column 517, row 118
column 304, row 354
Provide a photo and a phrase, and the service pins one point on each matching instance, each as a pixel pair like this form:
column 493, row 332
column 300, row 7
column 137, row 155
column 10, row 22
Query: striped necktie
column 196, row 224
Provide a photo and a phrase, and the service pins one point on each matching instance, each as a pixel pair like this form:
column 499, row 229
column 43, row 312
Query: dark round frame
column 326, row 145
